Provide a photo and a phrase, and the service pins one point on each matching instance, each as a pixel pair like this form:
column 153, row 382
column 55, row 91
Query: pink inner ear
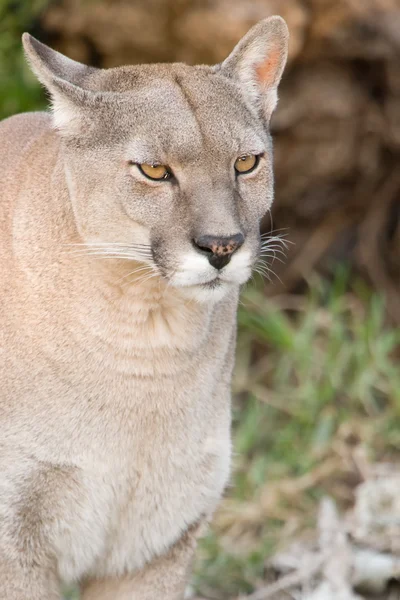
column 266, row 71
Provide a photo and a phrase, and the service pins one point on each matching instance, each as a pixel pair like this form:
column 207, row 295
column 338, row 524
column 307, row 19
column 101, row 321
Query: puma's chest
column 133, row 504
column 143, row 435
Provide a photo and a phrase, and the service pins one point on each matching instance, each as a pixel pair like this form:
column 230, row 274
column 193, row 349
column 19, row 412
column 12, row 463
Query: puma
column 129, row 219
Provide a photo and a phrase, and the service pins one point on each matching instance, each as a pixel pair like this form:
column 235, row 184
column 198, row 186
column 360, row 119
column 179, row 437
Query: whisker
column 280, row 247
column 141, row 280
column 111, row 254
column 271, row 238
column 94, row 256
column 110, row 244
column 145, row 268
column 273, row 259
column 268, row 275
column 271, row 218
column 278, row 241
column 109, row 249
column 262, row 267
column 268, row 233
column 263, row 274
column 281, row 239
column 273, row 249
column 273, row 256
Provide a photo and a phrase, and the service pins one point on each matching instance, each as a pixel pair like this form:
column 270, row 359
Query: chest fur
column 130, row 459
column 146, row 474
column 128, row 506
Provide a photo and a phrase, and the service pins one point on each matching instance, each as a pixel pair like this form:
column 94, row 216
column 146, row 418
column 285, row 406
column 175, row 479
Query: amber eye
column 247, row 163
column 155, row 172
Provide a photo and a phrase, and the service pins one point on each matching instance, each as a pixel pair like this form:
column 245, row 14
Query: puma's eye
column 247, row 163
column 155, row 172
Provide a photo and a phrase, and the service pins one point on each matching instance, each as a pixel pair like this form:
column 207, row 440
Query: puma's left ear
column 257, row 63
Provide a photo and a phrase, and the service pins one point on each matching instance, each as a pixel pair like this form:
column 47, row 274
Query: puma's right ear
column 257, row 63
column 64, row 79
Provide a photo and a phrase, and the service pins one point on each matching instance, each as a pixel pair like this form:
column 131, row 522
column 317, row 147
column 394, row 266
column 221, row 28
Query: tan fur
column 116, row 334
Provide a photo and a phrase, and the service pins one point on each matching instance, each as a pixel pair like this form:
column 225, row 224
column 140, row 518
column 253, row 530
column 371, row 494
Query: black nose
column 219, row 249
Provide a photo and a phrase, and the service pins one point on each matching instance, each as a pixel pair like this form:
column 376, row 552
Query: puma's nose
column 219, row 249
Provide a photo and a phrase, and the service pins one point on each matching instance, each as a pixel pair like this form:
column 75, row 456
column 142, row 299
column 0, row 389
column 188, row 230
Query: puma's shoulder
column 20, row 157
column 17, row 132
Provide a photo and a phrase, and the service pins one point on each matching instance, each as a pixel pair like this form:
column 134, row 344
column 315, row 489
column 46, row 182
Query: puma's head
column 171, row 165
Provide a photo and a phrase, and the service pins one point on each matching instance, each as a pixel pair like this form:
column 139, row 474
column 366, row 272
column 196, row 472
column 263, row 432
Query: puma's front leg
column 165, row 578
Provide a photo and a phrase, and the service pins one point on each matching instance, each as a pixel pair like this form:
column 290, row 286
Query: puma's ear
column 257, row 63
column 63, row 79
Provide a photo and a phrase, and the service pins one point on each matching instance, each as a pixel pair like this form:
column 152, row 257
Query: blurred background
column 317, row 384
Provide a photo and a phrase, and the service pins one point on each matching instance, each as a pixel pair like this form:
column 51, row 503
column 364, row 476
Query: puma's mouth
column 197, row 279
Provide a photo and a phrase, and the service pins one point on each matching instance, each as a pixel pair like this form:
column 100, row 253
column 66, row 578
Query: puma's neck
column 140, row 314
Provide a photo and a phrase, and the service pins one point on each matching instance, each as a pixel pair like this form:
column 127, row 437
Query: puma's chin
column 211, row 292
column 216, row 289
